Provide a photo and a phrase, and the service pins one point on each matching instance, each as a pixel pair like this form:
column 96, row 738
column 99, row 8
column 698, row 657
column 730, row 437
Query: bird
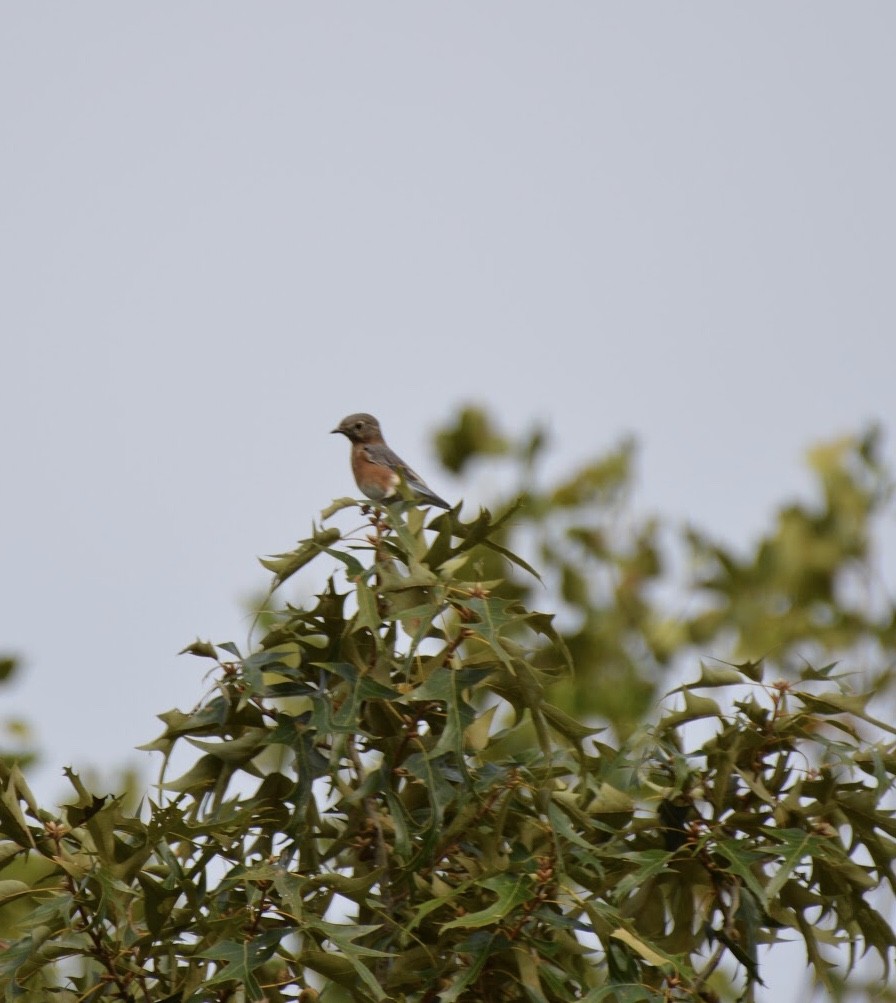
column 379, row 471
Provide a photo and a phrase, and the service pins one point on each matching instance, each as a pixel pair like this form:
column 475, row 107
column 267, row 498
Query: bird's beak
column 333, row 431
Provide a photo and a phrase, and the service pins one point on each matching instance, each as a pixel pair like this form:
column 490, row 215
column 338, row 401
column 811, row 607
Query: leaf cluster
column 387, row 801
column 808, row 589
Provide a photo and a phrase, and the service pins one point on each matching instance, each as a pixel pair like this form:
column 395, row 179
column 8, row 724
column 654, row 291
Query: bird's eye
column 359, row 425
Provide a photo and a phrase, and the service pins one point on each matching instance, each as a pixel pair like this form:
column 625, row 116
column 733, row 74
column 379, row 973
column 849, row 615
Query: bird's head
column 359, row 428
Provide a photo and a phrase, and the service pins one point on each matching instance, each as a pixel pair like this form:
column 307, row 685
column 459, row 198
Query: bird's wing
column 381, row 454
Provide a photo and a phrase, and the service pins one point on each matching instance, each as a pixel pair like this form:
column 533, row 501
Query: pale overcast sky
column 225, row 225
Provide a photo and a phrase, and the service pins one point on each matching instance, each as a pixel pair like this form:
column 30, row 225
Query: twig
column 729, row 911
column 100, row 950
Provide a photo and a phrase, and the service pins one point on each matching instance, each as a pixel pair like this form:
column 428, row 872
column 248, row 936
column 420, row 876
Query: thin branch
column 729, row 912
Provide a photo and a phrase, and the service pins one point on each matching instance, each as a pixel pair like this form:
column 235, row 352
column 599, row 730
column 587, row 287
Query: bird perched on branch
column 378, row 471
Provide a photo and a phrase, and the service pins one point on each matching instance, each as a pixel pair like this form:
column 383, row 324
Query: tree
column 406, row 790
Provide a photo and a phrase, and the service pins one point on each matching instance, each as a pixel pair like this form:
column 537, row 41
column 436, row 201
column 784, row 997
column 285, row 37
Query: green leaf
column 286, row 565
column 495, row 615
column 24, row 952
column 511, row 890
column 11, row 889
column 350, row 886
column 843, row 703
column 444, row 683
column 568, row 726
column 238, row 750
column 715, row 675
column 207, row 718
column 651, row 956
column 610, row 800
column 695, row 707
column 797, row 845
column 512, row 557
column 334, row 967
column 12, row 819
column 204, row 649
column 8, row 667
column 242, row 959
column 435, row 902
column 480, row 948
column 202, row 776
column 557, row 813
column 744, row 862
column 648, row 864
column 8, row 850
column 338, row 505
column 343, row 937
column 368, row 615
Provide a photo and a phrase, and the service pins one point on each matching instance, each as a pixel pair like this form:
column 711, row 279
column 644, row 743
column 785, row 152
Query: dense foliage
column 418, row 787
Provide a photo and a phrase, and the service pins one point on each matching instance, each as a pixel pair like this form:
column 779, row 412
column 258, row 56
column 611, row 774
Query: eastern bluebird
column 378, row 471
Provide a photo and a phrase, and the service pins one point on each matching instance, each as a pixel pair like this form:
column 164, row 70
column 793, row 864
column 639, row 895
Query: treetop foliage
column 423, row 787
